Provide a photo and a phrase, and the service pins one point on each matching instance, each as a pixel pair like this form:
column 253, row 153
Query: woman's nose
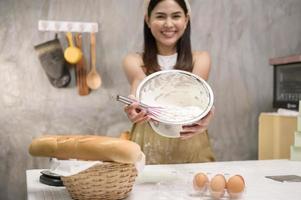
column 168, row 22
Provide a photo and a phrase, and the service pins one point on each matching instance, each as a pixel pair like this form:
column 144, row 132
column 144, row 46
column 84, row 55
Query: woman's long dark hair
column 184, row 60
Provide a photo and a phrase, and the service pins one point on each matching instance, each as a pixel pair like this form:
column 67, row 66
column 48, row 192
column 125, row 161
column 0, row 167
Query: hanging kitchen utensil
column 72, row 54
column 81, row 72
column 52, row 60
column 93, row 78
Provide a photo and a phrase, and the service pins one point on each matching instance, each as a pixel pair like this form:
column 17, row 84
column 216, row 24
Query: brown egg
column 235, row 184
column 217, row 186
column 199, row 181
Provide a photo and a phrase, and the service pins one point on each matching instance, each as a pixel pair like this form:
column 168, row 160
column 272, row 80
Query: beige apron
column 163, row 150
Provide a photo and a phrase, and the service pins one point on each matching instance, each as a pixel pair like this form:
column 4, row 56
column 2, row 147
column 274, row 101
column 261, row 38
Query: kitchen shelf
column 67, row 26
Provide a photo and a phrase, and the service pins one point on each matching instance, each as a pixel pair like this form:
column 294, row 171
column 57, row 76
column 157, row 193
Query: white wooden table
column 174, row 181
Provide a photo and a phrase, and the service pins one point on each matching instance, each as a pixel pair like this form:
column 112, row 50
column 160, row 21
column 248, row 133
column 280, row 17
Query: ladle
column 93, row 78
column 72, row 54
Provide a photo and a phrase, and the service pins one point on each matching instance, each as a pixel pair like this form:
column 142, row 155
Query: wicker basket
column 107, row 181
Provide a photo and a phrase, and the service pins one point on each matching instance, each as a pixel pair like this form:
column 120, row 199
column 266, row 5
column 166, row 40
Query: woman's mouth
column 168, row 34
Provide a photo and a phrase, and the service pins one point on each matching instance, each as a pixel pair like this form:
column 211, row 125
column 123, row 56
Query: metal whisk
column 167, row 114
column 154, row 111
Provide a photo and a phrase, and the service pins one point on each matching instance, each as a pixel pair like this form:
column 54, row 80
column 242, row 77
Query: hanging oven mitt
column 51, row 57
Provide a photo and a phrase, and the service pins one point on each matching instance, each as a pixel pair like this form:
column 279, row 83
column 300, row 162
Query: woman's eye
column 177, row 16
column 160, row 17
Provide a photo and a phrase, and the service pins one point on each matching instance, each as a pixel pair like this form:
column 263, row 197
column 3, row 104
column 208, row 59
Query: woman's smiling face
column 167, row 23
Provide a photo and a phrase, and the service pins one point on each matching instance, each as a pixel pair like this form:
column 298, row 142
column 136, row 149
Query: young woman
column 167, row 46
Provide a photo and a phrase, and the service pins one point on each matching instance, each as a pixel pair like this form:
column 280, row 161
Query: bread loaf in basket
column 111, row 180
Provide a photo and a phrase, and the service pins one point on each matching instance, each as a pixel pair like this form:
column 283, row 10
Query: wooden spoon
column 72, row 54
column 93, row 78
column 80, row 70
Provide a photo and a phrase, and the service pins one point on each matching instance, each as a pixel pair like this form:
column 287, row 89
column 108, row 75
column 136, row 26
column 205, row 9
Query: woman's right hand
column 135, row 113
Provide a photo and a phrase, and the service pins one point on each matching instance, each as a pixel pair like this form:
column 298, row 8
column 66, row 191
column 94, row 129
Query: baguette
column 86, row 147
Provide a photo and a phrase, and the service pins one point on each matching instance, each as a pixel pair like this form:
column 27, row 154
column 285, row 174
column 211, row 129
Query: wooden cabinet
column 276, row 135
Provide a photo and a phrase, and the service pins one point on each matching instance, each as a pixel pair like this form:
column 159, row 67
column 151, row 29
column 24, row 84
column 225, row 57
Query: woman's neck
column 166, row 51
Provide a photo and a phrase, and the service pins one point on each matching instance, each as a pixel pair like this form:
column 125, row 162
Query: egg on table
column 217, row 186
column 235, row 185
column 200, row 181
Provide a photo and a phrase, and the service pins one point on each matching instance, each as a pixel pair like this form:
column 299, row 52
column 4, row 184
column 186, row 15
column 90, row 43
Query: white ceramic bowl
column 175, row 88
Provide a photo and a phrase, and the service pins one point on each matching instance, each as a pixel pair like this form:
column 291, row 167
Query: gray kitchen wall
column 240, row 35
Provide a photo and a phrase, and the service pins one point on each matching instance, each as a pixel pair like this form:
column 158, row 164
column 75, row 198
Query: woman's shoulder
column 200, row 55
column 133, row 59
column 201, row 63
column 133, row 63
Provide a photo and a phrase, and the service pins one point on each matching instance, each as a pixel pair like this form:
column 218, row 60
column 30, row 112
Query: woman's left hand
column 198, row 127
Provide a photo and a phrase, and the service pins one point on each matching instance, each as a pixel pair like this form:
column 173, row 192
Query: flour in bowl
column 183, row 97
column 179, row 114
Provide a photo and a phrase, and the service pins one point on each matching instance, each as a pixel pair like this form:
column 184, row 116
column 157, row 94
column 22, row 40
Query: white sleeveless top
column 167, row 62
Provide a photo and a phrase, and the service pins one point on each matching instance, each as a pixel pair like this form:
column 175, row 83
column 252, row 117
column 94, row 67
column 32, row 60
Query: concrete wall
column 240, row 35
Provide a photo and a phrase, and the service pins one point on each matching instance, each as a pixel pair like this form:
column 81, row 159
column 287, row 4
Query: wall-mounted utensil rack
column 67, row 26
